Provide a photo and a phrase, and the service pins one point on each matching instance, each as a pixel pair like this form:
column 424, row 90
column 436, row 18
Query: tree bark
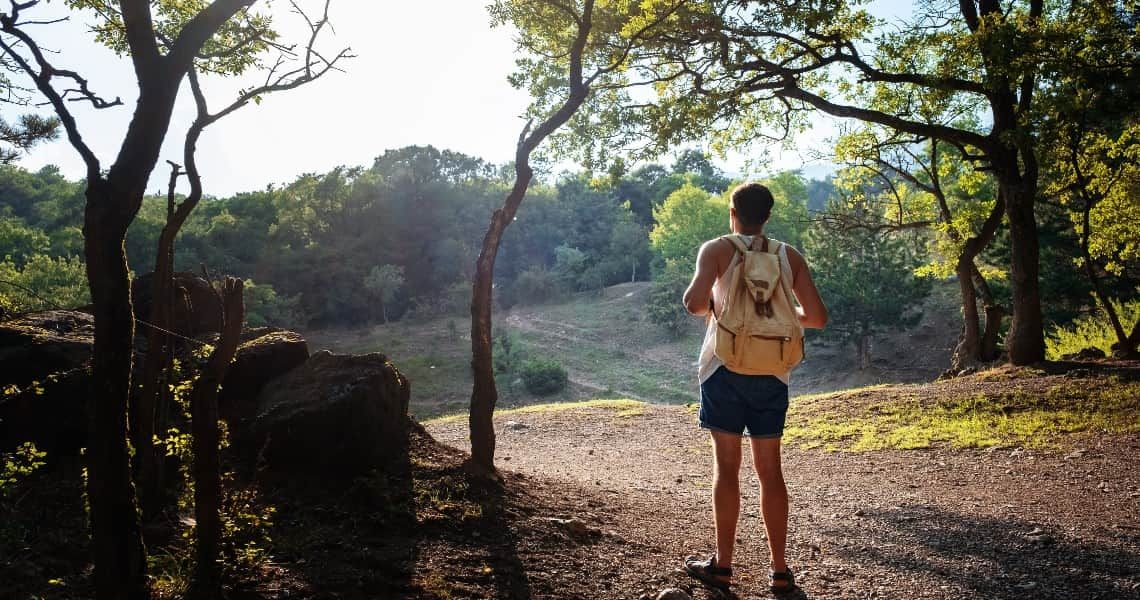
column 969, row 343
column 1026, row 339
column 145, row 420
column 484, row 394
column 994, row 313
column 207, row 461
column 117, row 545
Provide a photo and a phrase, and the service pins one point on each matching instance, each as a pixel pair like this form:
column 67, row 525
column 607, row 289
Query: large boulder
column 197, row 308
column 335, row 414
column 264, row 355
column 35, row 345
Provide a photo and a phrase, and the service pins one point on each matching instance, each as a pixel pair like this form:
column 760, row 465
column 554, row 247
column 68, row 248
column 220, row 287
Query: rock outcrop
column 265, row 354
column 197, row 308
column 35, row 345
column 333, row 415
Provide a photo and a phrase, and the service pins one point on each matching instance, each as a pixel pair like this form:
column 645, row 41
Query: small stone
column 1016, row 453
column 516, row 426
column 1074, row 454
column 859, row 513
column 673, row 594
column 679, row 480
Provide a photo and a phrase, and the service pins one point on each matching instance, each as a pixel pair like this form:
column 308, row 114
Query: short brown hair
column 753, row 203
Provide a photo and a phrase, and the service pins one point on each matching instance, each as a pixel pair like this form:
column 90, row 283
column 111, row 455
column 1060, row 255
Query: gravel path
column 1005, row 523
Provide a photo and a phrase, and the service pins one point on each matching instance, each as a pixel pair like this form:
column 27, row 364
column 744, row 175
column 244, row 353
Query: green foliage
column 43, row 283
column 384, row 282
column 866, row 279
column 789, row 221
column 689, row 217
column 543, row 377
column 236, row 47
column 664, row 306
column 21, row 463
column 507, row 354
column 263, row 306
column 1090, row 331
column 20, row 241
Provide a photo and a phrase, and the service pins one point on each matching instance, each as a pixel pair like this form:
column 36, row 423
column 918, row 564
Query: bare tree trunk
column 994, row 314
column 156, row 362
column 1094, row 279
column 864, row 351
column 117, row 545
column 484, row 394
column 207, row 461
column 969, row 343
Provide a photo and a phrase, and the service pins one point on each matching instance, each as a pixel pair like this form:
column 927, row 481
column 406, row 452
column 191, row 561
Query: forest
column 167, row 433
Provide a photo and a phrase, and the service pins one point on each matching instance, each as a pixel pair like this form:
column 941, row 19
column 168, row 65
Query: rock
column 575, row 527
column 673, row 594
column 52, row 414
column 264, row 355
column 197, row 308
column 333, row 415
column 35, row 345
column 1075, row 454
column 515, row 426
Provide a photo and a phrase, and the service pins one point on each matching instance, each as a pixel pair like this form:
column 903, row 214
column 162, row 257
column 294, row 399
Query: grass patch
column 980, row 421
column 623, row 408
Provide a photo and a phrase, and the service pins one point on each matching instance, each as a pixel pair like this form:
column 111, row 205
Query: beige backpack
column 758, row 331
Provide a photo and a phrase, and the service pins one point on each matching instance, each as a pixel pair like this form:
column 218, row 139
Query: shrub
column 543, row 377
column 664, row 307
column 1090, row 331
column 534, row 285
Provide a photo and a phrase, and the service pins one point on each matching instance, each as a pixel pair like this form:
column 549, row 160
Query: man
column 735, row 405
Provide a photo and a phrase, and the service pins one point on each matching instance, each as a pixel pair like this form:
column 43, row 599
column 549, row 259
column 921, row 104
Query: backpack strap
column 737, row 243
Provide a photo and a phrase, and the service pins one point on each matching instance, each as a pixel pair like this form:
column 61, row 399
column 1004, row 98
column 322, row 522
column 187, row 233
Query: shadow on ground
column 990, row 557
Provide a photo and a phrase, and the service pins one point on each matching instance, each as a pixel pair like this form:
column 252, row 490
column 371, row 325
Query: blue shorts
column 752, row 405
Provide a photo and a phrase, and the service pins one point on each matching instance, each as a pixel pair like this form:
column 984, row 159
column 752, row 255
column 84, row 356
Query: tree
column 916, row 185
column 18, row 137
column 289, row 71
column 384, row 282
column 162, row 51
column 1091, row 168
column 737, row 68
column 571, row 52
column 689, row 217
column 868, row 281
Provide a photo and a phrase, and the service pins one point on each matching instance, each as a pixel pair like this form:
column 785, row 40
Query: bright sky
column 427, row 72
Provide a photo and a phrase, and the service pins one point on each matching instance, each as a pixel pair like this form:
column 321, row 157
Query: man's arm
column 698, row 297
column 812, row 313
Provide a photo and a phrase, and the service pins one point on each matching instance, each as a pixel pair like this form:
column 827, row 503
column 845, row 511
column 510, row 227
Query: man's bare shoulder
column 795, row 259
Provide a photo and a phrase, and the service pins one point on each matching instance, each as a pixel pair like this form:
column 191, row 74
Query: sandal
column 785, row 576
column 708, row 572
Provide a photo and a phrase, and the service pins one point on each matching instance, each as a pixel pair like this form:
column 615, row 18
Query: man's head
column 750, row 207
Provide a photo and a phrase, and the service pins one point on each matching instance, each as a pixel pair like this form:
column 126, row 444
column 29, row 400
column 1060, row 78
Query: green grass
column 1091, row 331
column 606, row 344
column 1016, row 418
column 623, row 408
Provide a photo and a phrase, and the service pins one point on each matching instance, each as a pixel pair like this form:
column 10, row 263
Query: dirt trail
column 1006, row 523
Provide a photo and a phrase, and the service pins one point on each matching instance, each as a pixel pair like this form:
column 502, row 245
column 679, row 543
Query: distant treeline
column 399, row 239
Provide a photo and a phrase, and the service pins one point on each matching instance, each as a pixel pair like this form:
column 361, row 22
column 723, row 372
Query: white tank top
column 708, row 362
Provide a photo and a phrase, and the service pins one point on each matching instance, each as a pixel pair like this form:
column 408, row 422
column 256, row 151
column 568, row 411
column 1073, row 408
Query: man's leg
column 773, row 497
column 726, row 493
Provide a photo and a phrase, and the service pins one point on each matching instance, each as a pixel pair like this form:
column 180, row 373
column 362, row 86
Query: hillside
column 609, row 348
